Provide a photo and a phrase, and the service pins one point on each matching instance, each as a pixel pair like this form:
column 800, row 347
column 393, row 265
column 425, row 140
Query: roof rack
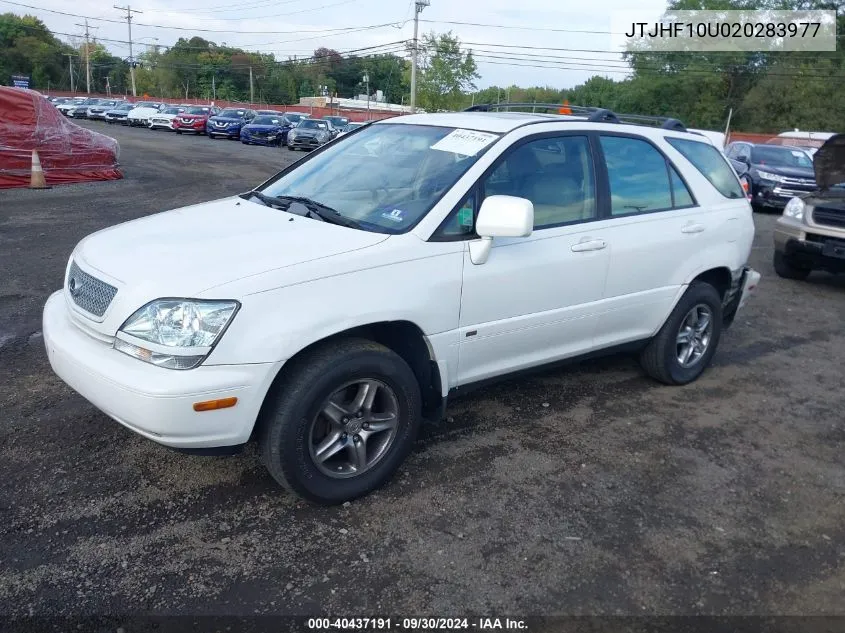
column 591, row 114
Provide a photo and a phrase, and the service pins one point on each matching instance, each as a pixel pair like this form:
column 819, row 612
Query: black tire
column 245, row 142
column 659, row 359
column 292, row 149
column 179, row 132
column 788, row 270
column 285, row 424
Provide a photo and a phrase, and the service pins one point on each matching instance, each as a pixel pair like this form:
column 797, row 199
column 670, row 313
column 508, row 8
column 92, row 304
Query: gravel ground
column 586, row 490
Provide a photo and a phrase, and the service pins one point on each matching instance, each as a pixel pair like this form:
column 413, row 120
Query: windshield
column 294, row 118
column 337, row 121
column 234, row 114
column 266, row 120
column 172, row 111
column 196, row 111
column 780, row 157
column 388, row 176
column 125, row 106
column 313, row 125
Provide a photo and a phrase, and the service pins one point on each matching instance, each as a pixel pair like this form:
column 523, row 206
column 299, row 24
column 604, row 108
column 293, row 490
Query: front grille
column 88, row 292
column 800, row 182
column 824, row 239
column 826, row 216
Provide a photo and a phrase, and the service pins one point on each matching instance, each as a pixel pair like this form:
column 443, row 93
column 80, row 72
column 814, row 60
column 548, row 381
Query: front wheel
column 684, row 346
column 344, row 419
column 786, row 269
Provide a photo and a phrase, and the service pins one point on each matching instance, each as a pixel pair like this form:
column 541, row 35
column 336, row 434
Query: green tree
column 445, row 72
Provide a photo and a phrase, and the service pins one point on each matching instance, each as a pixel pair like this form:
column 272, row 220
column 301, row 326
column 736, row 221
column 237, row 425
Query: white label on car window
column 798, row 154
column 465, row 142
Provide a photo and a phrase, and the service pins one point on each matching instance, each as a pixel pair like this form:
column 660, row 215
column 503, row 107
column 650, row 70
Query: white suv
column 330, row 310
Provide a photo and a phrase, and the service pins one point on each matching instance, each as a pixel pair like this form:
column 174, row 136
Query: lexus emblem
column 74, row 286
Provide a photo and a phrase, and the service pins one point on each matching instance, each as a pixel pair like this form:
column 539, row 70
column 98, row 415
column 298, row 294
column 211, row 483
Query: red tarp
column 68, row 153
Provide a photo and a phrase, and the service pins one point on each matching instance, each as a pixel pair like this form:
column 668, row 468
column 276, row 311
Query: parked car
column 143, row 111
column 328, row 311
column 776, row 173
column 69, row 105
column 351, row 127
column 808, row 141
column 265, row 130
column 295, row 117
column 810, row 235
column 228, row 122
column 57, row 101
column 309, row 134
column 98, row 110
column 80, row 110
column 193, row 120
column 338, row 123
column 119, row 113
column 165, row 118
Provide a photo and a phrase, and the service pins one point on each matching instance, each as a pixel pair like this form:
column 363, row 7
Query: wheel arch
column 405, row 338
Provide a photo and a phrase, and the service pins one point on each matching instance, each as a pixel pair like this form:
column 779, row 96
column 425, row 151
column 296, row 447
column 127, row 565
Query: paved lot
column 580, row 491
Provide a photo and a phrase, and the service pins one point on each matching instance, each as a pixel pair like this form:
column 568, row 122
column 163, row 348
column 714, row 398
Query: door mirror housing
column 500, row 216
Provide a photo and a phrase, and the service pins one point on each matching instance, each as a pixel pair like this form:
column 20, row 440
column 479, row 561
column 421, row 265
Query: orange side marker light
column 211, row 405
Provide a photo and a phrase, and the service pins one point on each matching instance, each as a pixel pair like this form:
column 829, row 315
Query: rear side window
column 712, row 165
column 638, row 174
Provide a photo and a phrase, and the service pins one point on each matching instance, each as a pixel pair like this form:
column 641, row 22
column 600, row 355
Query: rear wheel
column 785, row 268
column 684, row 346
column 179, row 132
column 343, row 421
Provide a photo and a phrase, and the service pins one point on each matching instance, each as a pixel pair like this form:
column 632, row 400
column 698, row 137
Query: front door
column 535, row 298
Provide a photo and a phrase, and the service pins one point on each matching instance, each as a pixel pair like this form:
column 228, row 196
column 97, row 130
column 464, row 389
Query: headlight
column 323, row 136
column 794, row 209
column 768, row 176
column 176, row 333
column 291, row 134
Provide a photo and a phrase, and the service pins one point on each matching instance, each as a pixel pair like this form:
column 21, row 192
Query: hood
column 187, row 251
column 192, row 117
column 226, row 119
column 792, row 172
column 114, row 111
column 305, row 131
column 162, row 115
column 137, row 112
column 261, row 128
column 829, row 162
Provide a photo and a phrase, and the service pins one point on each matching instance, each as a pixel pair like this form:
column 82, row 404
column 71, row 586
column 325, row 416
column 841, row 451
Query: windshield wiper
column 316, row 210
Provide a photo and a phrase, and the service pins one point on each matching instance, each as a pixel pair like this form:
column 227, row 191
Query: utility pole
column 70, row 64
column 108, row 87
column 87, row 57
column 129, row 11
column 251, row 88
column 213, row 88
column 419, row 5
column 367, row 81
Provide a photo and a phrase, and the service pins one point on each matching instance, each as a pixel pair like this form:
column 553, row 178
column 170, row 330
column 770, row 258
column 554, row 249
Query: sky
column 580, row 31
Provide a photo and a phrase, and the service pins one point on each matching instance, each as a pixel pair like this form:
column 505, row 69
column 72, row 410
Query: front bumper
column 816, row 252
column 262, row 140
column 305, row 142
column 775, row 195
column 168, row 125
column 743, row 286
column 198, row 127
column 231, row 132
column 155, row 402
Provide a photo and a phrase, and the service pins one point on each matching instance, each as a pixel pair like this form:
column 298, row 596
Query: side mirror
column 500, row 216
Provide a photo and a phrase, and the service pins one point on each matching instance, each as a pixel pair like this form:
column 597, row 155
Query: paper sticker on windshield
column 798, row 154
column 397, row 215
column 464, row 142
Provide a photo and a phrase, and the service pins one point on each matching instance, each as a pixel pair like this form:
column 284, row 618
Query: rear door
column 654, row 225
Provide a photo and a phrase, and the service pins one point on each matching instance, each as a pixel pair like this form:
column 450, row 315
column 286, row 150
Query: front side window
column 712, row 165
column 387, row 177
column 638, row 175
column 555, row 174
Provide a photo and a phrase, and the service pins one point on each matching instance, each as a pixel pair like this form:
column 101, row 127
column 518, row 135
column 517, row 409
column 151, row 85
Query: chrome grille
column 89, row 293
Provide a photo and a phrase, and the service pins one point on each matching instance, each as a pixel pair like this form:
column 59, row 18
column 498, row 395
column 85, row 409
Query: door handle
column 693, row 228
column 589, row 245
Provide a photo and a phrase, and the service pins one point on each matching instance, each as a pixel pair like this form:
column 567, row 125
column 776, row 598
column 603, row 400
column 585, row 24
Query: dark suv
column 776, row 173
column 229, row 122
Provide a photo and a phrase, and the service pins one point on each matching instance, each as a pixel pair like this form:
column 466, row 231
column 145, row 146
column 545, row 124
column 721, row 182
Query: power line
column 398, row 24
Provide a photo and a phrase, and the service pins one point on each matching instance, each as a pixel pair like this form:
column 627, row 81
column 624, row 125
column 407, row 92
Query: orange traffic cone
column 565, row 109
column 36, row 179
